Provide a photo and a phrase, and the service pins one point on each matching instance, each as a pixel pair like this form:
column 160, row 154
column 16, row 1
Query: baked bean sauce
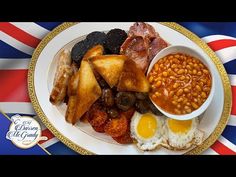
column 179, row 83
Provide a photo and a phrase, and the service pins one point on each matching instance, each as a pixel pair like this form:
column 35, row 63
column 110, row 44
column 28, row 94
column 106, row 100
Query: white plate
column 82, row 137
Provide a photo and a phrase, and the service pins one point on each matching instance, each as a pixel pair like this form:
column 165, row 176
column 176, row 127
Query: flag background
column 19, row 39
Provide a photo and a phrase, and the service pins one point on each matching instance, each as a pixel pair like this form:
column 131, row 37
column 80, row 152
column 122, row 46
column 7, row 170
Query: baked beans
column 179, row 83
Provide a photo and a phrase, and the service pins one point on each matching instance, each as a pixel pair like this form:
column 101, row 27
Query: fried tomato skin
column 129, row 113
column 117, row 127
column 97, row 117
column 100, row 128
column 124, row 139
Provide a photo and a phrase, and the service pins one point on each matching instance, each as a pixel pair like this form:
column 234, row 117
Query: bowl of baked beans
column 182, row 84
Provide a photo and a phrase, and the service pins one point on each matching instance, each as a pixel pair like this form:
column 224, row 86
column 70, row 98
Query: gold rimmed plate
column 82, row 138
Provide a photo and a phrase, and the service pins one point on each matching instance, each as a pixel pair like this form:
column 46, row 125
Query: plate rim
column 190, row 35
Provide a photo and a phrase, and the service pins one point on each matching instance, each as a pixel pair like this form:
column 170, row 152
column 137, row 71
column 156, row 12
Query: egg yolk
column 147, row 126
column 179, row 126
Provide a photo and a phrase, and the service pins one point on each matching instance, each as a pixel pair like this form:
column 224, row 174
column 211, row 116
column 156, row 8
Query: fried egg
column 146, row 129
column 181, row 134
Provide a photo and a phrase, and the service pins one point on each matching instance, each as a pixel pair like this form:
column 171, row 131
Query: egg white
column 149, row 143
column 182, row 141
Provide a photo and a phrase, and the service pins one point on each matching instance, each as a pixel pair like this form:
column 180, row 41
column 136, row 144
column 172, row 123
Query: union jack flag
column 19, row 39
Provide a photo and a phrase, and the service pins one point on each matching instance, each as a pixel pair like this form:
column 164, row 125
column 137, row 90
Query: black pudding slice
column 96, row 38
column 115, row 38
column 78, row 52
column 92, row 39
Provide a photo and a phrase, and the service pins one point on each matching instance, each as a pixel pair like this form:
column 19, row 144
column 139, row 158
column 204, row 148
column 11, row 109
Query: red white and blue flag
column 19, row 39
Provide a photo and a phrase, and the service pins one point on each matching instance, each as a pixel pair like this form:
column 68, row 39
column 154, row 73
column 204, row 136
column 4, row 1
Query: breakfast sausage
column 61, row 79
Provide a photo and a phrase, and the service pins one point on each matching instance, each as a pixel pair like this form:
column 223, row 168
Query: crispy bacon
column 142, row 29
column 136, row 48
column 156, row 46
column 142, row 44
